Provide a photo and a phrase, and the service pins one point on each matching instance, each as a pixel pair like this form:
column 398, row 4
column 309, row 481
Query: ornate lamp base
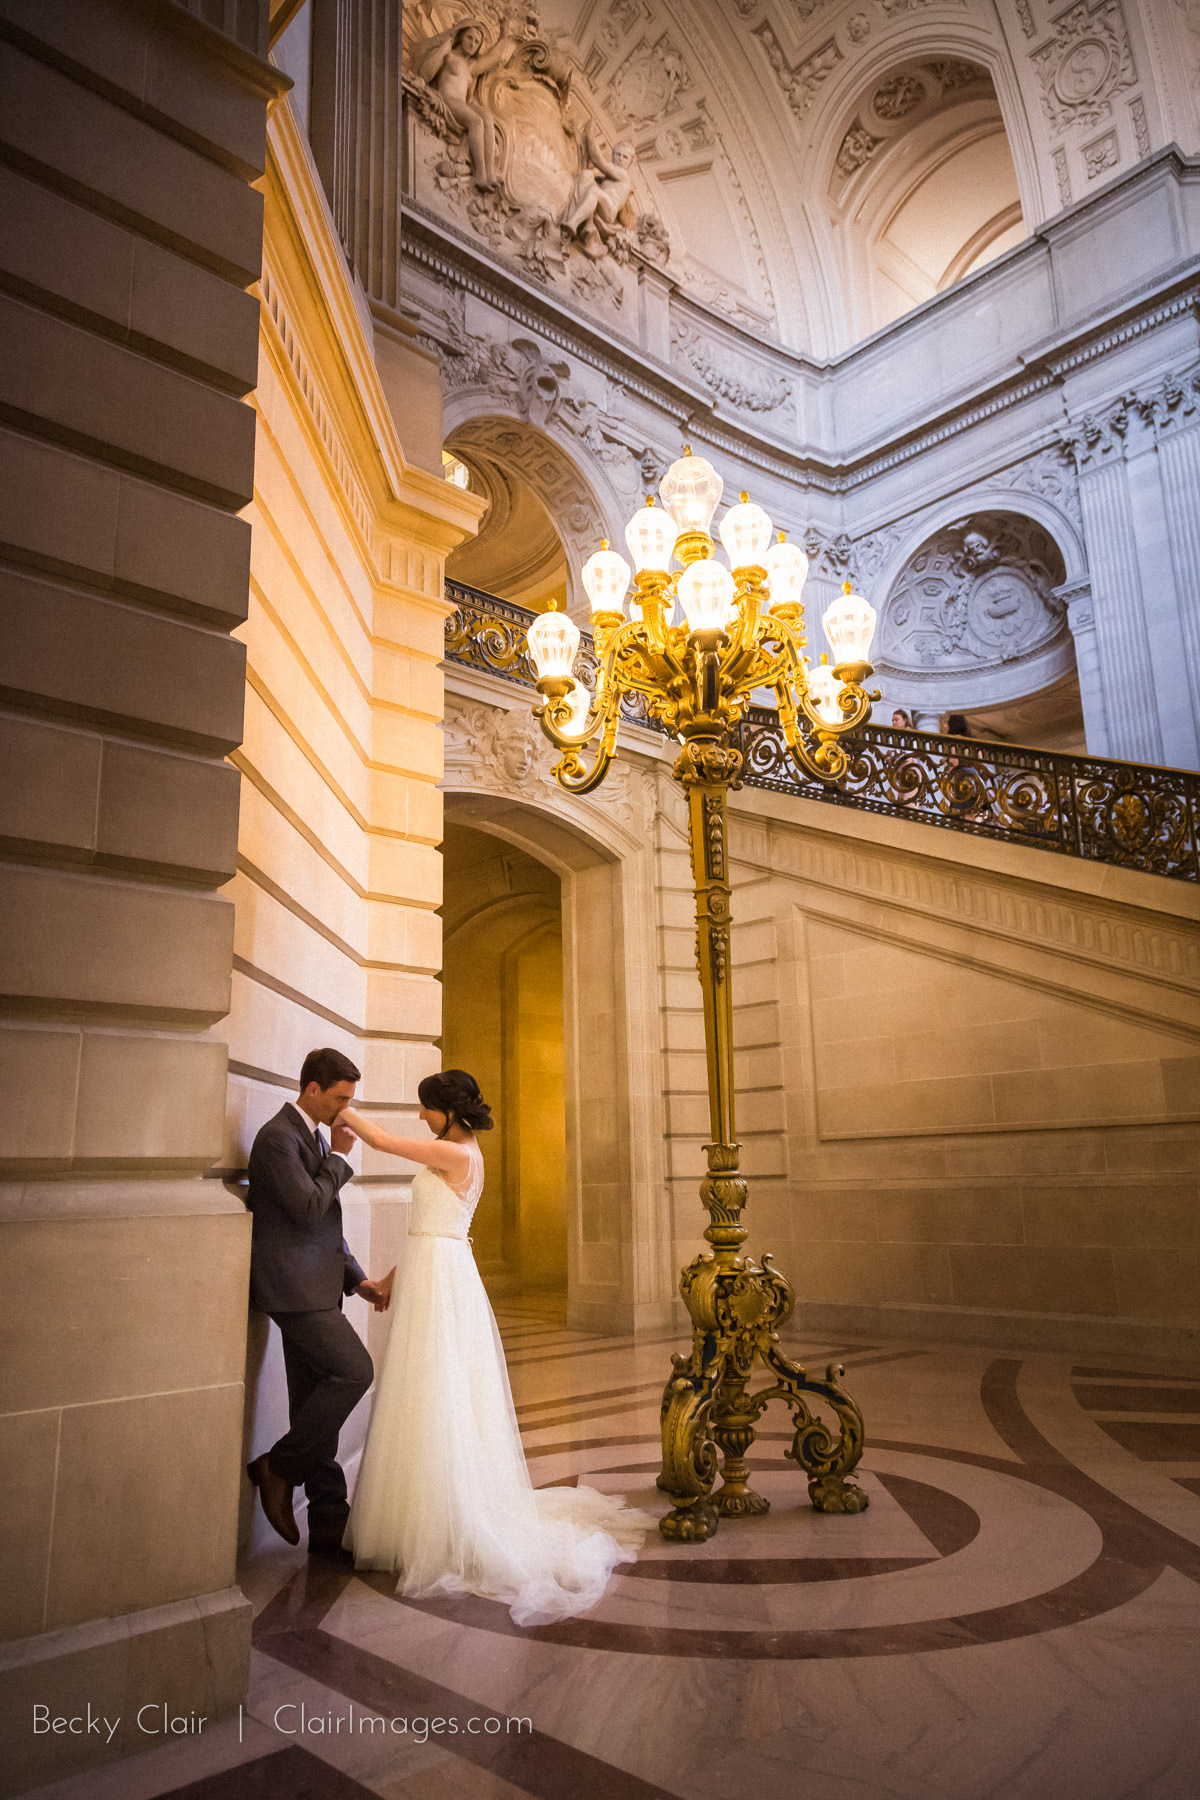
column 737, row 1307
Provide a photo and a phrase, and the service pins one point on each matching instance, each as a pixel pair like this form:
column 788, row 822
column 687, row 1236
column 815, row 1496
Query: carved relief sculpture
column 524, row 165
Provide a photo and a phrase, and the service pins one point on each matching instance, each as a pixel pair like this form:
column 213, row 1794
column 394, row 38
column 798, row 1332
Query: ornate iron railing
column 1111, row 812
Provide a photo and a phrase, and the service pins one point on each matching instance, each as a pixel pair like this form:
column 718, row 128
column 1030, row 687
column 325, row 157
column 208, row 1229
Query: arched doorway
column 502, row 1018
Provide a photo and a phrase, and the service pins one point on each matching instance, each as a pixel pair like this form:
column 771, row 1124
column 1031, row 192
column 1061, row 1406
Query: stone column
column 129, row 137
column 1179, row 465
column 1081, row 617
column 1166, row 598
column 1124, row 662
column 356, row 134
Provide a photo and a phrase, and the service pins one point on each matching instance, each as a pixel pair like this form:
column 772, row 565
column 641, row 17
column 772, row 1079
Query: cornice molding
column 453, row 258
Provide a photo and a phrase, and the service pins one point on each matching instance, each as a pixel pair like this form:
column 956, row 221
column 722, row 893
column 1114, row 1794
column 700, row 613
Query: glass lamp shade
column 691, row 490
column 745, row 533
column 651, row 536
column 823, row 690
column 849, row 623
column 606, row 577
column 553, row 641
column 579, row 700
column 706, row 592
column 787, row 571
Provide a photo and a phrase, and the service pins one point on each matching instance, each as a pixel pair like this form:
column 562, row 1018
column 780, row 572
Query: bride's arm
column 435, row 1153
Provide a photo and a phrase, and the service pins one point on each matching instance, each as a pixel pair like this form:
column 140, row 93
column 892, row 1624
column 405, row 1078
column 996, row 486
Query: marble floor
column 1016, row 1615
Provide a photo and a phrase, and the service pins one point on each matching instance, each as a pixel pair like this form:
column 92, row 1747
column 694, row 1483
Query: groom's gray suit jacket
column 299, row 1261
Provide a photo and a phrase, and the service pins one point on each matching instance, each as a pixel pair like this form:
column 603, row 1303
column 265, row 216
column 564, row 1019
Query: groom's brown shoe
column 276, row 1496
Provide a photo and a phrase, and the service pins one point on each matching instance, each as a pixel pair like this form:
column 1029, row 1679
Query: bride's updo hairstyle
column 456, row 1094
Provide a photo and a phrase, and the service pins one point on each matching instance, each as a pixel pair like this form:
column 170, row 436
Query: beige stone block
column 405, row 1003
column 272, row 941
column 35, row 481
column 290, row 780
column 409, row 625
column 1058, row 1152
column 1168, row 1149
column 82, row 941
column 1069, row 1036
column 834, row 1214
column 168, row 811
column 754, row 1068
column 1159, row 1284
column 827, row 978
column 955, row 1103
column 271, row 840
column 94, row 389
column 1154, row 1215
column 988, row 1214
column 1181, row 1085
column 39, row 1071
column 407, row 870
column 112, row 663
column 838, row 1271
column 273, row 1032
column 684, row 1031
column 687, row 1115
column 754, row 940
column 681, row 990
column 192, row 553
column 867, row 1061
column 755, row 1026
column 1011, row 1278
column 210, row 324
column 686, row 1072
column 409, row 935
column 325, row 708
column 227, row 115
column 156, row 1522
column 65, row 250
column 407, row 745
column 141, row 1304
column 966, row 1048
column 28, row 1452
column 51, row 779
column 153, row 1099
column 1100, row 1094
column 102, row 147
column 911, row 1274
column 193, row 1656
column 761, row 1110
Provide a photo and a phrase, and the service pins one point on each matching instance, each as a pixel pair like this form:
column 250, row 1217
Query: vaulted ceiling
column 821, row 166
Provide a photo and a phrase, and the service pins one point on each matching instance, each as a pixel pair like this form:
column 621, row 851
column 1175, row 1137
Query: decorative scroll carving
column 1102, row 153
column 977, row 594
column 1141, row 131
column 1087, row 61
column 1120, row 813
column 1025, row 15
column 723, row 371
column 1063, row 176
column 800, row 83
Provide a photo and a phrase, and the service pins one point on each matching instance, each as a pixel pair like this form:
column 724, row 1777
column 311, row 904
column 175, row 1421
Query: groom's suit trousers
column 328, row 1372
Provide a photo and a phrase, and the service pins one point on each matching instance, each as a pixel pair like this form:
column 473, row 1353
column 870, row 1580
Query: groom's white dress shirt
column 315, row 1130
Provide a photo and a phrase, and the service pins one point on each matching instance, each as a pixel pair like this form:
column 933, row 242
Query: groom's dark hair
column 326, row 1067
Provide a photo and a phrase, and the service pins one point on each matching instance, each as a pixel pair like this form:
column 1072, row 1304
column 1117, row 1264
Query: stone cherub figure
column 452, row 64
column 601, row 202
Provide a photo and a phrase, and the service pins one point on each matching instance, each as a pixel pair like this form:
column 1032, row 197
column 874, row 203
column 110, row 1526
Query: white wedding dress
column 443, row 1493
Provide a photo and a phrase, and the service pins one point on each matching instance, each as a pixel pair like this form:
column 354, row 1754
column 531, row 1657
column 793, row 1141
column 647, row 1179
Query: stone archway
column 620, row 1262
column 545, row 516
column 975, row 622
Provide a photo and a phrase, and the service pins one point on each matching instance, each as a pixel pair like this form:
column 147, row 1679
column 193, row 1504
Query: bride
column 443, row 1493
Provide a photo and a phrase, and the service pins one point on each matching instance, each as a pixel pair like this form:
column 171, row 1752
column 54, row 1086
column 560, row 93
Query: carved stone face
column 470, row 40
column 515, row 749
column 624, row 153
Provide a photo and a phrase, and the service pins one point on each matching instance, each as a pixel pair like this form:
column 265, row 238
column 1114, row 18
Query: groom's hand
column 341, row 1138
column 378, row 1293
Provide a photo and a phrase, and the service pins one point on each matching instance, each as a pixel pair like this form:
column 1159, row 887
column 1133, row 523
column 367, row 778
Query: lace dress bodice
column 439, row 1208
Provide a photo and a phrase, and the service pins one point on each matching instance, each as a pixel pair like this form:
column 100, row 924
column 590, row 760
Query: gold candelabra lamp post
column 742, row 630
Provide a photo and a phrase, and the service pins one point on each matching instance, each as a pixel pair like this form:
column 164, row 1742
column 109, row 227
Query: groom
column 300, row 1268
